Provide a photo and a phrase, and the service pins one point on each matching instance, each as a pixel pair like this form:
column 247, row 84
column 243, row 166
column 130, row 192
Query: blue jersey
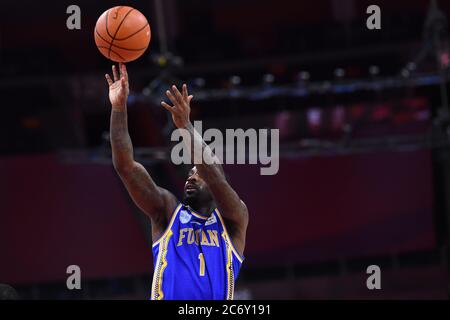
column 194, row 259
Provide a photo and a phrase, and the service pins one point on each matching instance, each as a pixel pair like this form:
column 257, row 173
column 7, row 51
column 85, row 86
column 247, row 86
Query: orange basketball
column 122, row 34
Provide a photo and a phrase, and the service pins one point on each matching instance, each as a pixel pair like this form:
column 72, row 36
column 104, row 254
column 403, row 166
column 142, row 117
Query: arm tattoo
column 122, row 148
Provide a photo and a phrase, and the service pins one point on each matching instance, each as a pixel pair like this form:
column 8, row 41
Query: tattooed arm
column 155, row 201
column 209, row 169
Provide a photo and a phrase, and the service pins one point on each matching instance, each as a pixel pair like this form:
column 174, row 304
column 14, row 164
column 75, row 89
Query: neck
column 204, row 209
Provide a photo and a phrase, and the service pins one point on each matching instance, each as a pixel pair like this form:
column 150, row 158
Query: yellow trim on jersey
column 229, row 268
column 238, row 256
column 198, row 215
column 174, row 214
column 160, row 266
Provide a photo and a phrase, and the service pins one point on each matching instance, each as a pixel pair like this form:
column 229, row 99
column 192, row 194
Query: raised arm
column 210, row 169
column 155, row 201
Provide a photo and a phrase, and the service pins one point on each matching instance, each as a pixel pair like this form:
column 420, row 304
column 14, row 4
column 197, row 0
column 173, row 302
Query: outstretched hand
column 181, row 108
column 119, row 88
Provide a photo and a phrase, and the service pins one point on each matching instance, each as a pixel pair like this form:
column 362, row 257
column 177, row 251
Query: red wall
column 53, row 214
column 332, row 207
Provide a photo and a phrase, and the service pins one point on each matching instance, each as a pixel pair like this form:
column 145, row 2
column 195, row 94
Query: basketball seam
column 103, row 47
column 114, row 45
column 118, row 28
column 106, row 24
column 127, row 37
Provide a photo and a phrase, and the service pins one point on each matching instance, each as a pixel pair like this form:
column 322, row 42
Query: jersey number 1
column 202, row 264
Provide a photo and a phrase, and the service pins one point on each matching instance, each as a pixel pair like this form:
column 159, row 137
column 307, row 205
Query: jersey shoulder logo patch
column 211, row 220
column 185, row 217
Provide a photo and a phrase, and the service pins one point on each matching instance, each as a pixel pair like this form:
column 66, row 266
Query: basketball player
column 198, row 243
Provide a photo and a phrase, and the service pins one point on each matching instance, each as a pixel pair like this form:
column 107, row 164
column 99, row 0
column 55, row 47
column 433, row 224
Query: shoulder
column 239, row 225
column 166, row 220
column 236, row 229
column 244, row 216
column 244, row 208
column 167, row 211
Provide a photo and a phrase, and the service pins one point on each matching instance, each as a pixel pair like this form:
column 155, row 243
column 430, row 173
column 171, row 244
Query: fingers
column 167, row 107
column 185, row 92
column 108, row 79
column 123, row 75
column 177, row 95
column 189, row 98
column 178, row 99
column 172, row 98
column 123, row 71
column 115, row 74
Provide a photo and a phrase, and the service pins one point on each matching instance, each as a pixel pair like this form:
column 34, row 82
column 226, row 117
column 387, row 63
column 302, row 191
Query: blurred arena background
column 364, row 126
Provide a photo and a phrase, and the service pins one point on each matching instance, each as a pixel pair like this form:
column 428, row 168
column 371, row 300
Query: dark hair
column 8, row 293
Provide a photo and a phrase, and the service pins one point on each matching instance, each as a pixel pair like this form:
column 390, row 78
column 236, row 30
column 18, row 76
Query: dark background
column 364, row 166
